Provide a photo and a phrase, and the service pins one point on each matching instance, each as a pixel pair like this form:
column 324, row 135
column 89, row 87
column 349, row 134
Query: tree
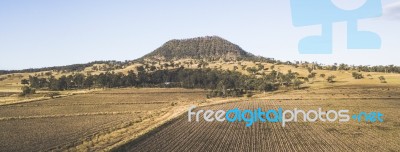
column 331, row 79
column 266, row 86
column 141, row 68
column 62, row 83
column 88, row 82
column 172, row 64
column 70, row 82
column 27, row 90
column 297, row 83
column 117, row 80
column 131, row 78
column 309, row 70
column 166, row 65
column 43, row 83
column 312, row 75
column 382, row 79
column 142, row 78
column 79, row 79
column 343, row 67
column 260, row 67
column 95, row 68
column 52, row 83
column 48, row 74
column 252, row 70
column 25, row 82
column 357, row 75
column 153, row 68
column 34, row 82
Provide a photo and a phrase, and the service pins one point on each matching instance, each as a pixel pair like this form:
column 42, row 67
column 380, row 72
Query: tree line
column 66, row 68
column 219, row 82
column 346, row 67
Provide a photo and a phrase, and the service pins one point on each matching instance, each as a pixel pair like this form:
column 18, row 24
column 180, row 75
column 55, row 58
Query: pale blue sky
column 50, row 33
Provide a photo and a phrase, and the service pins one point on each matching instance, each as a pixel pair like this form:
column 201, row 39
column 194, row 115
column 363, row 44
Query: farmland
column 181, row 135
column 131, row 118
column 154, row 119
column 73, row 122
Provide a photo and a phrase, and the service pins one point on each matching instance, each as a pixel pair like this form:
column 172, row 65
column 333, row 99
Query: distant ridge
column 207, row 48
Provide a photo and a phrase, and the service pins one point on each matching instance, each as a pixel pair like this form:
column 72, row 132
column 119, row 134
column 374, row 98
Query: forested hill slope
column 207, row 48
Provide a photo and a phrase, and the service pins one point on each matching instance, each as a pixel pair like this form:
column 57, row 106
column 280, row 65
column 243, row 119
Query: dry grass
column 12, row 81
column 104, row 120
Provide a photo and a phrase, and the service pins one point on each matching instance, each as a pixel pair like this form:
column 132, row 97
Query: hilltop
column 209, row 48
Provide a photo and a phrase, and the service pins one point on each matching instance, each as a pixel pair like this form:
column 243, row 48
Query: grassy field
column 73, row 122
column 152, row 119
column 181, row 135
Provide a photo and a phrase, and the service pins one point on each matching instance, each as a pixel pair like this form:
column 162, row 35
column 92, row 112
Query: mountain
column 200, row 48
column 208, row 48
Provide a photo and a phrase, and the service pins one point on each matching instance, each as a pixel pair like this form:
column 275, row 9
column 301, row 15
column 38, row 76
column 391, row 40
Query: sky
column 45, row 33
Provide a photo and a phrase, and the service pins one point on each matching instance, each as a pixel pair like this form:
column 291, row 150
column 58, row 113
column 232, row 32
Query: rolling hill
column 210, row 52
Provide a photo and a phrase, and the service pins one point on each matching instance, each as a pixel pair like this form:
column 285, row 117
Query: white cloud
column 392, row 11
